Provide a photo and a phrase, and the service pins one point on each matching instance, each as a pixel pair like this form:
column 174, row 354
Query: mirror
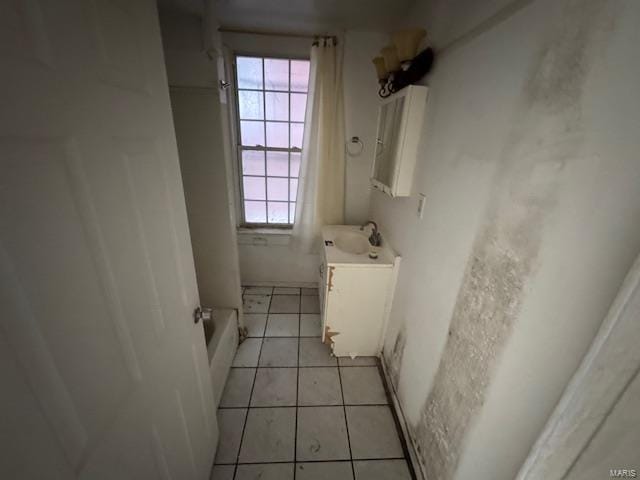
column 399, row 132
column 389, row 121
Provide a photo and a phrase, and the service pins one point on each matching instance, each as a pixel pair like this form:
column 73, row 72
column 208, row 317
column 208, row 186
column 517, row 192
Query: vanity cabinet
column 355, row 297
column 400, row 119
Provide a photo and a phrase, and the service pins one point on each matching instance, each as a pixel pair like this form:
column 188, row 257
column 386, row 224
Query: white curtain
column 320, row 198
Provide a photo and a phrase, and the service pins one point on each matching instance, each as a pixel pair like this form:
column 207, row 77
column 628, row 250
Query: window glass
column 278, row 212
column 250, row 105
column 254, row 188
column 276, row 74
column 252, row 162
column 255, row 212
column 249, row 72
column 278, row 188
column 277, row 105
column 252, row 133
column 278, row 164
column 298, row 106
column 271, row 101
column 297, row 129
column 278, row 135
column 299, row 75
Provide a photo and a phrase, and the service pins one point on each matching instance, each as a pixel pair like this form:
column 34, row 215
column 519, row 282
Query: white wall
column 206, row 171
column 529, row 166
column 267, row 258
column 361, row 112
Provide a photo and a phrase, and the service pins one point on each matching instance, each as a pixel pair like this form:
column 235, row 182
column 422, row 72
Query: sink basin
column 352, row 242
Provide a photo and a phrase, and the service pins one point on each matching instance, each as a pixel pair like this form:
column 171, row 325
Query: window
column 272, row 98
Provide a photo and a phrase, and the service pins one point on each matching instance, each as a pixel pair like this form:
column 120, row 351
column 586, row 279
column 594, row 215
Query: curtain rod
column 275, row 34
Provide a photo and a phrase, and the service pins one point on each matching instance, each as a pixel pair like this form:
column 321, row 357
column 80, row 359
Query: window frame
column 243, row 224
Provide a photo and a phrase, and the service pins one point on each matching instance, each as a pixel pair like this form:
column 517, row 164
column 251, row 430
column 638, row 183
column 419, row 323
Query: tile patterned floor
column 290, row 410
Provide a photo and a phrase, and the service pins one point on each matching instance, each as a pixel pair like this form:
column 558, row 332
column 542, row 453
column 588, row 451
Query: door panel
column 104, row 372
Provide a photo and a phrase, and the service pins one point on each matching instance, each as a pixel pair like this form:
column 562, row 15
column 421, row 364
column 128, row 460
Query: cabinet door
column 389, row 122
column 354, row 309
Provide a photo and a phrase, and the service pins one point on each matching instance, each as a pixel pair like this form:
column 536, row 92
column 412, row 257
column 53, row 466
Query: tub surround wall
column 206, row 169
column 530, row 224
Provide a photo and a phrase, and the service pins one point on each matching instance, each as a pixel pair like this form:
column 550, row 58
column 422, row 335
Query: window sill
column 264, row 231
column 264, row 236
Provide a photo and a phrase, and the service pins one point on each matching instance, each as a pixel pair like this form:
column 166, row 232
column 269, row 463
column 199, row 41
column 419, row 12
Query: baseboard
column 280, row 284
column 413, row 458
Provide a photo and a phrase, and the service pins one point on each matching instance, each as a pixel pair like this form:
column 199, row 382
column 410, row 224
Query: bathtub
column 221, row 347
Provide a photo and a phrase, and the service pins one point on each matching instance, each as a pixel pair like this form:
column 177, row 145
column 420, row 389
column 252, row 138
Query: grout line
column 309, row 406
column 311, row 366
column 295, row 433
column 289, row 313
column 346, row 422
column 246, row 418
column 342, row 460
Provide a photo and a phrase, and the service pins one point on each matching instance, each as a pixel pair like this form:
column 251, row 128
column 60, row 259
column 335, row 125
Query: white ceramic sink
column 348, row 245
column 352, row 242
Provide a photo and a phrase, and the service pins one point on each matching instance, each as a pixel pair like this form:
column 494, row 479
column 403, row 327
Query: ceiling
column 300, row 16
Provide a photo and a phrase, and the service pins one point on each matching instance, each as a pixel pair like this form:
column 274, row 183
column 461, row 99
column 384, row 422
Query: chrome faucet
column 375, row 239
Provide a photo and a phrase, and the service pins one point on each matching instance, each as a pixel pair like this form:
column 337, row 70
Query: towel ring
column 360, row 148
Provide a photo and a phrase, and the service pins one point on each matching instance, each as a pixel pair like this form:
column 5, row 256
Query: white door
column 103, row 373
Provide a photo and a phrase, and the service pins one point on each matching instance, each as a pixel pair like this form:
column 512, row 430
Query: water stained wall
column 546, row 138
column 506, row 249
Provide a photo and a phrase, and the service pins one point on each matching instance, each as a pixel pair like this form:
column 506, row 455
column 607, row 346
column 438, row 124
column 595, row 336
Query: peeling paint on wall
column 546, row 134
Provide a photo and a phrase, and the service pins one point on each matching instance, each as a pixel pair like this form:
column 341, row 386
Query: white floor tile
column 248, row 353
column 313, row 353
column 322, row 434
column 265, row 471
column 269, row 436
column 325, row 471
column 275, row 387
column 237, row 390
column 309, row 291
column 382, row 470
column 373, row 433
column 310, row 304
column 279, row 352
column 319, row 386
column 283, row 325
column 310, row 325
column 285, row 304
column 256, row 303
column 222, row 472
column 362, row 386
column 230, row 423
column 255, row 323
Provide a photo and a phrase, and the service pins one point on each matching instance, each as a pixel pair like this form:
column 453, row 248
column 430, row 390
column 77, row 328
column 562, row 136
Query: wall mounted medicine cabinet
column 400, row 118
